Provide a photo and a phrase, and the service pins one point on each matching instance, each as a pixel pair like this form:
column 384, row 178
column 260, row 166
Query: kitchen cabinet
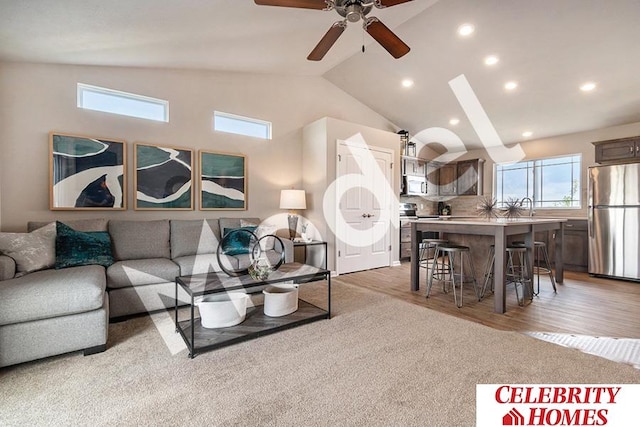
column 447, row 179
column 576, row 245
column 618, row 150
column 414, row 166
column 470, row 175
column 462, row 178
column 405, row 239
column 433, row 178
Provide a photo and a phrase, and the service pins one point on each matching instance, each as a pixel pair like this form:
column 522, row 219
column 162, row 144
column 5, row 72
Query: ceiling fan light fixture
column 353, row 14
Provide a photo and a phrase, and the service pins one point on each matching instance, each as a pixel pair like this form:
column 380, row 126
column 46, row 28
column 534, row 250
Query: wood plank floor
column 583, row 305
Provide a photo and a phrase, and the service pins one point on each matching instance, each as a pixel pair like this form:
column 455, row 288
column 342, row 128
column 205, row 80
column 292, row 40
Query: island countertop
column 500, row 229
column 500, row 222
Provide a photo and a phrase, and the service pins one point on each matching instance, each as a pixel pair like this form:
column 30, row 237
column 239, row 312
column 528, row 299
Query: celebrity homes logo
column 557, row 405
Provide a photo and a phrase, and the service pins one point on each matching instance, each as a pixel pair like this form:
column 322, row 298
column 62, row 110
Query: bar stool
column 516, row 272
column 445, row 270
column 426, row 246
column 541, row 263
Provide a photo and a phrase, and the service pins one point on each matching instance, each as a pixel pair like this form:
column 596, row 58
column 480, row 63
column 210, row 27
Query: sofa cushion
column 263, row 232
column 191, row 237
column 7, row 267
column 236, row 222
column 203, row 263
column 138, row 272
column 237, row 241
column 31, row 251
column 95, row 224
column 75, row 248
column 52, row 293
column 140, row 239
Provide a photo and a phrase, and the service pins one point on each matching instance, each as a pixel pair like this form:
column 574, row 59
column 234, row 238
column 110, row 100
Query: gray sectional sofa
column 55, row 311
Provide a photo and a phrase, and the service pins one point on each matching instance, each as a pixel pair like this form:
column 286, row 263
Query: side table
column 313, row 243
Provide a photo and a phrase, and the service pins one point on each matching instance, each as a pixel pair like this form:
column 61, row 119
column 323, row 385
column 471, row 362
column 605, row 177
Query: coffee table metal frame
column 256, row 323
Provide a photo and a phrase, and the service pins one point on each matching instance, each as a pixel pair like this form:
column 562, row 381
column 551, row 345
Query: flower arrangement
column 487, row 208
column 513, row 208
column 260, row 269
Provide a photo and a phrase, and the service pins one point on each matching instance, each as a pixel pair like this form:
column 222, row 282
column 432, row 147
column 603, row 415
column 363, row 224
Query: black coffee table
column 256, row 323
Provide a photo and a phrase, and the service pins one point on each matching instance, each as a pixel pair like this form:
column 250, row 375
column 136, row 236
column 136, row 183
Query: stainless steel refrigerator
column 614, row 221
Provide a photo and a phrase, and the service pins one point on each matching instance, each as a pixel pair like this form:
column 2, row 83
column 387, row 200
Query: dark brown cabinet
column 575, row 254
column 405, row 239
column 470, row 173
column 433, row 179
column 576, row 246
column 462, row 178
column 447, row 176
column 618, row 150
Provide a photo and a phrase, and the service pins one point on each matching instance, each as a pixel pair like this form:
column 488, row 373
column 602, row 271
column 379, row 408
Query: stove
column 408, row 211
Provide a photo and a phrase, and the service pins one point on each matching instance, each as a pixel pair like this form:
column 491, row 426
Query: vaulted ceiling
column 549, row 47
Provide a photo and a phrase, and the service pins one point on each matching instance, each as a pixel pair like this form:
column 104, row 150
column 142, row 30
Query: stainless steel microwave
column 414, row 185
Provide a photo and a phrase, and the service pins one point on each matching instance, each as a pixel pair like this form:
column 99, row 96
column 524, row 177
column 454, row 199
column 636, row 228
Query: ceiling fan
column 351, row 11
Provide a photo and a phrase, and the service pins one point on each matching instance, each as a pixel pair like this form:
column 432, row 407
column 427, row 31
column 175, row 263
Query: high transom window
column 232, row 123
column 117, row 102
column 551, row 183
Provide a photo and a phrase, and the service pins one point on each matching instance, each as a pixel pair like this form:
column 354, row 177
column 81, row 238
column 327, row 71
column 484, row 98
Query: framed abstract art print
column 163, row 177
column 86, row 173
column 223, row 181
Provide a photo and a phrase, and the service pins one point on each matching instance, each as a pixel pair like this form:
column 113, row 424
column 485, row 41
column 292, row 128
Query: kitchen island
column 500, row 229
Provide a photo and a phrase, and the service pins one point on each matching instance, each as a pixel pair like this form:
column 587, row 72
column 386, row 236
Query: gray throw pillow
column 31, row 251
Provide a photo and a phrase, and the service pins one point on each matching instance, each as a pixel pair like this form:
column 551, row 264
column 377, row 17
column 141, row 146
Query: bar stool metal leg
column 542, row 247
column 517, row 269
column 447, row 271
column 542, row 265
column 488, row 271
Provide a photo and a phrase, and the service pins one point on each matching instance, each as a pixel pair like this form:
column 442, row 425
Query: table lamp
column 292, row 200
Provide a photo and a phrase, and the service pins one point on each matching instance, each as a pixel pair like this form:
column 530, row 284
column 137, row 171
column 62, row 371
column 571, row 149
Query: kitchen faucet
column 530, row 204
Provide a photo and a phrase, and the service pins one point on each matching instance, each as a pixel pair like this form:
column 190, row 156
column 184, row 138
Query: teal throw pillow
column 75, row 248
column 238, row 241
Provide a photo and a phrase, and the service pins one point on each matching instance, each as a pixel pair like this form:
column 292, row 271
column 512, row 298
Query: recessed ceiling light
column 454, row 121
column 510, row 85
column 466, row 30
column 407, row 83
column 491, row 60
column 588, row 87
column 527, row 133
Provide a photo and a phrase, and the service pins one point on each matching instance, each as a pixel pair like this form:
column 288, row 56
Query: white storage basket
column 280, row 300
column 222, row 310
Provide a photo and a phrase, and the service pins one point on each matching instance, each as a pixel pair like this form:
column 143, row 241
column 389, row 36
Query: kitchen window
column 552, row 182
column 117, row 102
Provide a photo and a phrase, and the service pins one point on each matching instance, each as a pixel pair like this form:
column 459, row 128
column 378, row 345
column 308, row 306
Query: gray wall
column 38, row 98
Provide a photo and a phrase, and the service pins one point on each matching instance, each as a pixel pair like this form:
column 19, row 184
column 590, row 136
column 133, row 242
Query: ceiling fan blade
column 305, row 4
column 387, row 39
column 389, row 3
column 327, row 41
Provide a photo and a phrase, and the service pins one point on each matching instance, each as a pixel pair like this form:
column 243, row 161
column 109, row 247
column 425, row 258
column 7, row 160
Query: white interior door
column 364, row 193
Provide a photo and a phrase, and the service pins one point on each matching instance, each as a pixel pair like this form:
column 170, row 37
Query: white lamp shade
column 293, row 199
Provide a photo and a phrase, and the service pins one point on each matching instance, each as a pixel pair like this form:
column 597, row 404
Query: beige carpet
column 379, row 361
